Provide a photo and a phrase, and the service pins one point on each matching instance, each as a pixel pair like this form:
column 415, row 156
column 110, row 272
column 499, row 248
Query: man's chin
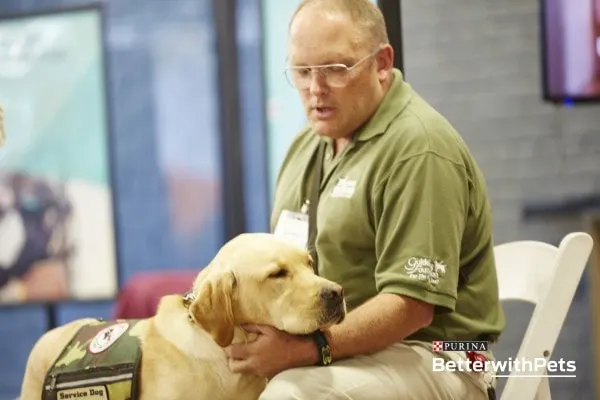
column 325, row 128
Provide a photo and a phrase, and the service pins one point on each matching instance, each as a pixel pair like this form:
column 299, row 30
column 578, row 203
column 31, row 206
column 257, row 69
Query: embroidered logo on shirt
column 425, row 270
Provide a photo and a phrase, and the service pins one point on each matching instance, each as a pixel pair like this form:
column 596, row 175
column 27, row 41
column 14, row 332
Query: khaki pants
column 402, row 371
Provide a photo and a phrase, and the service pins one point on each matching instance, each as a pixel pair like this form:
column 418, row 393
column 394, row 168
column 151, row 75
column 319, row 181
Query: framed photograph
column 57, row 231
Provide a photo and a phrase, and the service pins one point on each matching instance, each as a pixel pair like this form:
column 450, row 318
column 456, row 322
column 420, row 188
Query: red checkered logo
column 438, row 345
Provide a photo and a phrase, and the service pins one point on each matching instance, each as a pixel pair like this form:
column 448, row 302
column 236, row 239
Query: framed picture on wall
column 57, row 232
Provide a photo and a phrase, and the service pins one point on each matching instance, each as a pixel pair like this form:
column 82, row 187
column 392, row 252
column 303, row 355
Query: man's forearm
column 375, row 325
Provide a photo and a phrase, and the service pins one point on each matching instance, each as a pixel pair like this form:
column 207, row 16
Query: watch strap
column 323, row 348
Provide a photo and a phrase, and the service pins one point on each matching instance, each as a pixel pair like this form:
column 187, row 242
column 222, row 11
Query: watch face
column 326, row 355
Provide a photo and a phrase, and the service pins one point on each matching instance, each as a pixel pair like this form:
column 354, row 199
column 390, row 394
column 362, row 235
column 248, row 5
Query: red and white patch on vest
column 107, row 337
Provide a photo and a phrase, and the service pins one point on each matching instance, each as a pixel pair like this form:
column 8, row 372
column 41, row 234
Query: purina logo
column 454, row 345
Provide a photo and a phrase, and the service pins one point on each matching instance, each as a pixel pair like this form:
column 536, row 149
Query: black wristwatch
column 323, row 348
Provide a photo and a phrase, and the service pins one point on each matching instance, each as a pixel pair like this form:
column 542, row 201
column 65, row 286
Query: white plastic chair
column 546, row 276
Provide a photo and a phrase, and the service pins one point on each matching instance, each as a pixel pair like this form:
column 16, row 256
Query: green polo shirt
column 401, row 209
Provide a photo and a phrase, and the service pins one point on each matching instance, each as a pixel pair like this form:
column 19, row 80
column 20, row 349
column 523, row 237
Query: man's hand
column 273, row 351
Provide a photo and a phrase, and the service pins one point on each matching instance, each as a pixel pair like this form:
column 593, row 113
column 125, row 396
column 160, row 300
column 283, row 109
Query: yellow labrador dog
column 254, row 278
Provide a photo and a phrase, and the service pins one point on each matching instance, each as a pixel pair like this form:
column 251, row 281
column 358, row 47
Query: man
column 402, row 208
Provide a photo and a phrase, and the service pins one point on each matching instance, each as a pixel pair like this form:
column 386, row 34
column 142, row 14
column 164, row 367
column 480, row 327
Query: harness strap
column 313, row 202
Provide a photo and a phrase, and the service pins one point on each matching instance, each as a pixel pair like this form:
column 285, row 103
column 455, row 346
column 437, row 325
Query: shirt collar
column 393, row 103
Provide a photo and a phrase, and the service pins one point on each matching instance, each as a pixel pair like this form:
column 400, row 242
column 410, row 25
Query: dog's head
column 259, row 278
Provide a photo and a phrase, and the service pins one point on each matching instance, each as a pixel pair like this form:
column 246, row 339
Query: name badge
column 344, row 188
column 293, row 226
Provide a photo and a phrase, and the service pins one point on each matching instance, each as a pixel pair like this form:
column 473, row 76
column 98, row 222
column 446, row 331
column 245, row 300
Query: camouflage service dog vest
column 101, row 362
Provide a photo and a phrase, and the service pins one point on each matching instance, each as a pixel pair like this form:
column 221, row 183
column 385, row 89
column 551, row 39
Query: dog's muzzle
column 332, row 299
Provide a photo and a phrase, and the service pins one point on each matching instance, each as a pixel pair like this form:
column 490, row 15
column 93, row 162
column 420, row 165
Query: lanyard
column 313, row 202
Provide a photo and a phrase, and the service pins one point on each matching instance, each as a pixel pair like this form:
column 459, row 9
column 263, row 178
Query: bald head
column 364, row 15
column 325, row 34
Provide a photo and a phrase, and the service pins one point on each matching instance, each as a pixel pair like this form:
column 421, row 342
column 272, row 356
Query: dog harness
column 101, row 362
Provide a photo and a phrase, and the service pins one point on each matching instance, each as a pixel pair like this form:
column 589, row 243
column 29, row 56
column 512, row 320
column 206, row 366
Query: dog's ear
column 213, row 307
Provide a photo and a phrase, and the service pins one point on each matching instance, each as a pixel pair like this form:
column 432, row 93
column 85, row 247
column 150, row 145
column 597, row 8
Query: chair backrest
column 548, row 277
column 140, row 296
column 525, row 269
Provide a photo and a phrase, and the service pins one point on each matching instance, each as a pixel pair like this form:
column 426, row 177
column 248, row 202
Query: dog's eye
column 280, row 273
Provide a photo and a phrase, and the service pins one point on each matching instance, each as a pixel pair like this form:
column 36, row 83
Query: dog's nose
column 332, row 293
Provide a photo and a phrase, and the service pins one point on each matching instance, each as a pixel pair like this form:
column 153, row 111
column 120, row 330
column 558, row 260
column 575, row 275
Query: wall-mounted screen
column 570, row 37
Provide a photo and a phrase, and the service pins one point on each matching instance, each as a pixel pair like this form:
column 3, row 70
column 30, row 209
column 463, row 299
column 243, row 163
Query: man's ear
column 385, row 62
column 213, row 307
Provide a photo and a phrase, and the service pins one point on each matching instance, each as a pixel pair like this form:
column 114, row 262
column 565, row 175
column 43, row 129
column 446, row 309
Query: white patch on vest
column 107, row 337
column 425, row 270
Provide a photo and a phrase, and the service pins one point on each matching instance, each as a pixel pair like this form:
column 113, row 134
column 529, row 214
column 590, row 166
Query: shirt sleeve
column 420, row 220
